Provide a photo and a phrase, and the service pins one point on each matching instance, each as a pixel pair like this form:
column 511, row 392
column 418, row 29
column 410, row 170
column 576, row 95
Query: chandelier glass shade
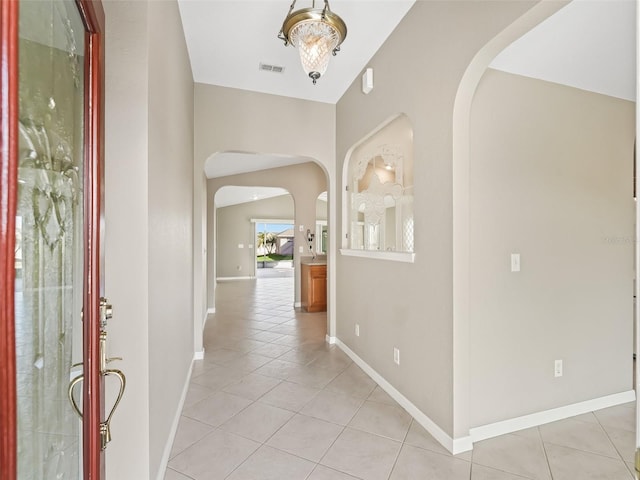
column 317, row 34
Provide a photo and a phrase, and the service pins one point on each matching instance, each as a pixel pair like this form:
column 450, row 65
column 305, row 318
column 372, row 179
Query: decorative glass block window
column 380, row 190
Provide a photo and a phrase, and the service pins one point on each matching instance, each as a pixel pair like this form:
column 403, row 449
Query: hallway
column 272, row 400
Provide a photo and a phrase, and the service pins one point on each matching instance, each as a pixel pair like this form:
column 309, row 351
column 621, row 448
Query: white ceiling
column 589, row 44
column 228, row 39
column 230, row 195
column 232, row 163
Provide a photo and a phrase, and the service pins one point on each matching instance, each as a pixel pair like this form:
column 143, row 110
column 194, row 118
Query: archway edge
column 461, row 241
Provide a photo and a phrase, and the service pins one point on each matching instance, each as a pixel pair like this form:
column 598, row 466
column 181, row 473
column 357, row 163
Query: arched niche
column 378, row 206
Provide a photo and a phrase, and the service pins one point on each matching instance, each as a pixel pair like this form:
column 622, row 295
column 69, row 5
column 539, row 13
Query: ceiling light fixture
column 317, row 33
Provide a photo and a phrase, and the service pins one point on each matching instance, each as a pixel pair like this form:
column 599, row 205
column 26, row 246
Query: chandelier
column 317, row 33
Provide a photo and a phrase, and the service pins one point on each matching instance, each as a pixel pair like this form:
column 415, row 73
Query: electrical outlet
column 557, row 370
column 396, row 355
column 357, row 330
column 300, row 249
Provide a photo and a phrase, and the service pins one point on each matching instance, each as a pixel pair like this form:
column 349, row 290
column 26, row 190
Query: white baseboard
column 199, row 355
column 297, row 305
column 457, row 446
column 174, row 426
column 540, row 418
column 211, row 310
column 227, row 279
column 330, row 340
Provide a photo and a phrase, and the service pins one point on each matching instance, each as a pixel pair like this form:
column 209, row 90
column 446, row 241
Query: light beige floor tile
column 263, row 336
column 419, row 437
column 632, row 468
column 589, row 437
column 362, row 455
column 271, row 464
column 302, row 357
column 214, row 457
column 621, row 417
column 189, row 432
column 479, row 472
column 252, row 386
column 278, row 368
column 335, row 360
column 258, row 421
column 173, row 475
column 624, row 441
column 290, row 396
column 221, row 356
column 306, row 437
column 325, row 473
column 586, row 417
column 195, row 393
column 570, row 464
column 216, row 377
column 217, row 408
column 353, row 381
column 533, row 433
column 312, row 376
column 418, row 464
column 386, row 420
column 289, row 340
column 380, row 396
column 514, row 454
column 247, row 363
column 333, row 407
column 273, row 350
column 246, row 345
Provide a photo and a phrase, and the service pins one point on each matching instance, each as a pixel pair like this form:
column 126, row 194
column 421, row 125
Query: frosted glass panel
column 49, row 239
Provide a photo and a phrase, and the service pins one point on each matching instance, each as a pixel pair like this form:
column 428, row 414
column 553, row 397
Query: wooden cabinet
column 314, row 287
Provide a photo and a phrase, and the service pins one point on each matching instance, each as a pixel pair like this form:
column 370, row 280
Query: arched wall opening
column 304, row 181
column 473, row 418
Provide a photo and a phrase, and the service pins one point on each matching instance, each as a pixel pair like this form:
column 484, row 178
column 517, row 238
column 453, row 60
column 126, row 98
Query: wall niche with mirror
column 379, row 194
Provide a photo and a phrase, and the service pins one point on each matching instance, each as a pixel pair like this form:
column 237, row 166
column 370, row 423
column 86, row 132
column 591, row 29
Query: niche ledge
column 406, row 257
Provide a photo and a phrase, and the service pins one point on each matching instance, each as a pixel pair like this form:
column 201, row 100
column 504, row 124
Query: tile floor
column 271, row 400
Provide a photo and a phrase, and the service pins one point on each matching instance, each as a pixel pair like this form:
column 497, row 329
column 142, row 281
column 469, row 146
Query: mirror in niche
column 381, row 191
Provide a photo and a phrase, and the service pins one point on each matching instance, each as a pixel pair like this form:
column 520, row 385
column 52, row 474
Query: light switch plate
column 515, row 262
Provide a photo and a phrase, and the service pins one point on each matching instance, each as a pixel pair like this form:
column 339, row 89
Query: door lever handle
column 105, row 427
column 72, row 385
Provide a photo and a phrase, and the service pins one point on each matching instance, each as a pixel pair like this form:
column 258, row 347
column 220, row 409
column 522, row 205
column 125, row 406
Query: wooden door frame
column 92, row 15
column 8, row 202
column 93, row 18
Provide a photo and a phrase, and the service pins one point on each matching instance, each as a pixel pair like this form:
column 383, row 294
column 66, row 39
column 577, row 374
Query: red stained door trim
column 8, row 199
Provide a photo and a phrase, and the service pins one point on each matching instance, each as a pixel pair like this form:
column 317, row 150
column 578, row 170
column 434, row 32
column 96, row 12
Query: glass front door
column 49, row 237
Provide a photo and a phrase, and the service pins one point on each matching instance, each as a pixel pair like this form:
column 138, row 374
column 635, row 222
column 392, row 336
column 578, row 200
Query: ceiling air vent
column 271, row 68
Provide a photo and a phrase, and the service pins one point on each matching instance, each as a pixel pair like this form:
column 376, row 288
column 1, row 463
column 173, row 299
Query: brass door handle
column 72, row 384
column 105, row 427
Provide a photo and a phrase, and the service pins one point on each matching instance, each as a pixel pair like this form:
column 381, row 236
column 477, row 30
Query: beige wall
column 234, row 227
column 417, row 72
column 551, row 179
column 304, row 181
column 170, row 224
column 126, row 238
column 148, row 203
